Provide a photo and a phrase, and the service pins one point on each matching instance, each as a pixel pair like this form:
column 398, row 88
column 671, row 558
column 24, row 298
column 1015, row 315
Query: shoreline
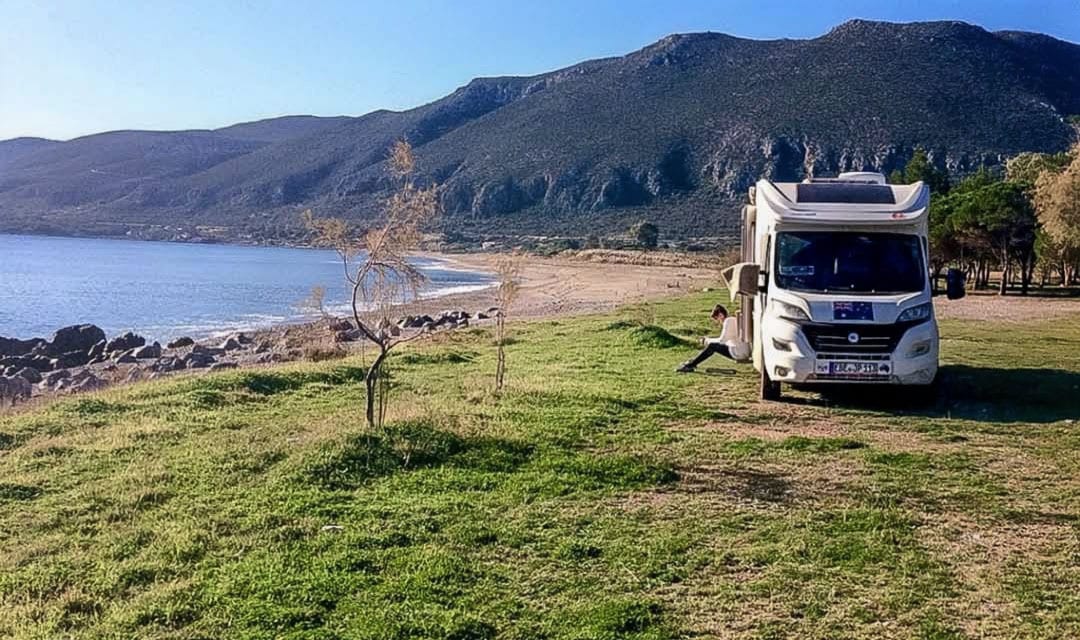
column 549, row 288
column 571, row 281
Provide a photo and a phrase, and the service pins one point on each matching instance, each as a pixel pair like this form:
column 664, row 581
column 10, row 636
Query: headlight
column 919, row 349
column 790, row 311
column 781, row 345
column 916, row 313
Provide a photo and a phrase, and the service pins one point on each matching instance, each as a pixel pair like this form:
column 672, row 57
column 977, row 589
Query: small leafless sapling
column 314, row 303
column 508, row 270
column 377, row 269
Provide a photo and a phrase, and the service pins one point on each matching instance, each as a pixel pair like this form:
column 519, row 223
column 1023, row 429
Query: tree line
column 1021, row 220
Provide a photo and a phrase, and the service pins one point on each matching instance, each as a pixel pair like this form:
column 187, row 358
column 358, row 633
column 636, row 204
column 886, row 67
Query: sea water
column 163, row 290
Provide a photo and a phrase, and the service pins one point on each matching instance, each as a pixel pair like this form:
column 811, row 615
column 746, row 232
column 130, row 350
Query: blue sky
column 69, row 68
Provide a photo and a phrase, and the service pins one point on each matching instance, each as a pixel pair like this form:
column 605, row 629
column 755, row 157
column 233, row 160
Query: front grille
column 862, row 357
column 872, row 338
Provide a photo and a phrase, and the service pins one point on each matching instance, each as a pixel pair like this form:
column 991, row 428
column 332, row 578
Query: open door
column 746, row 250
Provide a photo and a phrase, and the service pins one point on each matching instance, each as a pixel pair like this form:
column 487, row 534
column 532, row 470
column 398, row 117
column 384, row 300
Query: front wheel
column 770, row 389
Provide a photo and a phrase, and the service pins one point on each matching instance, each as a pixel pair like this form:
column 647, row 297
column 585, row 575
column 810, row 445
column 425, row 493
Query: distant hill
column 12, row 150
column 280, row 129
column 674, row 132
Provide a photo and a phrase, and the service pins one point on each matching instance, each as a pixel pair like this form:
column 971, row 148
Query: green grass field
column 601, row 497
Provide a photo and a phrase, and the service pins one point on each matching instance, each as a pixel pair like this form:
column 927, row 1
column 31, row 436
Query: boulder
column 33, row 376
column 88, row 382
column 180, row 343
column 451, row 319
column 230, row 344
column 414, row 322
column 147, row 352
column 125, row 342
column 339, row 324
column 222, row 366
column 243, row 338
column 263, row 346
column 213, row 351
column 97, row 350
column 198, row 360
column 53, row 378
column 41, row 363
column 126, row 357
column 168, row 363
column 14, row 389
column 17, row 347
column 71, row 359
column 80, row 337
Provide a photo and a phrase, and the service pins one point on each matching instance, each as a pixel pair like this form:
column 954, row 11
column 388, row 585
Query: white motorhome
column 834, row 283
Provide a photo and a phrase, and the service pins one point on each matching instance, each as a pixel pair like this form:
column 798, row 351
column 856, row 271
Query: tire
column 770, row 389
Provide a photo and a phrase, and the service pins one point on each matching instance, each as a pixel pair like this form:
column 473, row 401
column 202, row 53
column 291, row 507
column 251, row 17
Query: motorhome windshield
column 852, row 263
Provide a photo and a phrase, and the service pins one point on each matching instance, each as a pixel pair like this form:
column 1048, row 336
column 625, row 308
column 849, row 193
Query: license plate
column 849, row 368
column 853, row 311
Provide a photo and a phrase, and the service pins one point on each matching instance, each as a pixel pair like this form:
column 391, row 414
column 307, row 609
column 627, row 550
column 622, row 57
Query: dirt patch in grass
column 1006, row 309
column 739, row 484
column 782, row 430
column 981, row 556
column 835, row 433
column 721, row 488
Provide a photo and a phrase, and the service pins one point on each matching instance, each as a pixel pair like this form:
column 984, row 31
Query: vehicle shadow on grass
column 985, row 394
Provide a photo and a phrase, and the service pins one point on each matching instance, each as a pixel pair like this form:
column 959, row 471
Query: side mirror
column 954, row 284
column 742, row 278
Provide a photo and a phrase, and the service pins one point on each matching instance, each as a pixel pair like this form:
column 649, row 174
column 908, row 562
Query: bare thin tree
column 314, row 303
column 376, row 266
column 508, row 270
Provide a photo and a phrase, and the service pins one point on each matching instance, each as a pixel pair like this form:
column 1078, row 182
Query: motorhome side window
column 850, row 262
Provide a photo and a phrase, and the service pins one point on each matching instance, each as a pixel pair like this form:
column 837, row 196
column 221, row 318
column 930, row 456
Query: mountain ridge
column 674, row 132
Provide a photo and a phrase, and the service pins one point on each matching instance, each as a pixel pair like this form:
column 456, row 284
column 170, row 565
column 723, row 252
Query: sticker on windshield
column 797, row 270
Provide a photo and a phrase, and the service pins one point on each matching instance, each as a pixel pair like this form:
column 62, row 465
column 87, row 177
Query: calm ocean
column 163, row 290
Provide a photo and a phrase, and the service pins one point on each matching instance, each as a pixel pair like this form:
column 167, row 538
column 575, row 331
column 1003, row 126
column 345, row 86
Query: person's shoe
column 685, row 368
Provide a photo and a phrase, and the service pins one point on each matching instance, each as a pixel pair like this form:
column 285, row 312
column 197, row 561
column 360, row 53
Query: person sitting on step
column 727, row 344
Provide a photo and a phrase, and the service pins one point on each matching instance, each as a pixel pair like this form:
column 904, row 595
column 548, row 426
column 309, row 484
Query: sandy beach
column 572, row 285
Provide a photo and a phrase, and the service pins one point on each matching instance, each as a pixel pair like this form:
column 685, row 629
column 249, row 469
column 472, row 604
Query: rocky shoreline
column 81, row 358
column 550, row 287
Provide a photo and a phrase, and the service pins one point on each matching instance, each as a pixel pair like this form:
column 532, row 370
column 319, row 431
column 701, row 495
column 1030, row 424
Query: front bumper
column 788, row 357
